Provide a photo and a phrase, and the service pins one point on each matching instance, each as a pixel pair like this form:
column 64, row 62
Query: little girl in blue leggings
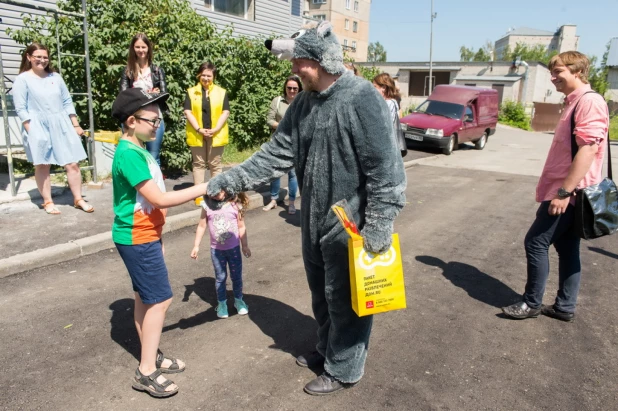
column 228, row 237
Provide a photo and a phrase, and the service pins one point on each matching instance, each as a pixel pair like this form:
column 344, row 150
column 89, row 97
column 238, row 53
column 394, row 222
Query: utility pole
column 433, row 16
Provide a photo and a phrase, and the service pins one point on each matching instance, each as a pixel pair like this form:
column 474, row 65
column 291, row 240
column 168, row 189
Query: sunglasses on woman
column 292, row 88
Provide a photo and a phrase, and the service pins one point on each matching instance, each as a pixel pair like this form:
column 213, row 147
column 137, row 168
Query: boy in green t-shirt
column 140, row 203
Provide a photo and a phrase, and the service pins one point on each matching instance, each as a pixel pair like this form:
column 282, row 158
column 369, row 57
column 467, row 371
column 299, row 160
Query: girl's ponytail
column 243, row 200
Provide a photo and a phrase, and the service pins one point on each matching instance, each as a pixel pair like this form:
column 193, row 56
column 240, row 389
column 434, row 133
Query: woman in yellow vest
column 207, row 109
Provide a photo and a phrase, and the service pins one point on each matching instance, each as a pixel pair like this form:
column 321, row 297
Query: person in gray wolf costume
column 336, row 134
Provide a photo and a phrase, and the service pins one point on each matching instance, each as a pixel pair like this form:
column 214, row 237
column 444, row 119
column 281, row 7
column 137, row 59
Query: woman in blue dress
column 50, row 128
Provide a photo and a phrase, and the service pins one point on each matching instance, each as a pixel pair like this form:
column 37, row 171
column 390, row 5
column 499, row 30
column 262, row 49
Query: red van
column 452, row 115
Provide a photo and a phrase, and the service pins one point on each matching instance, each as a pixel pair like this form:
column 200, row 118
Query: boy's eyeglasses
column 292, row 88
column 155, row 122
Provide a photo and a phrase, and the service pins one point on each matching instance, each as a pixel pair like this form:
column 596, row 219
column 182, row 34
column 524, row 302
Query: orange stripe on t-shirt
column 147, row 227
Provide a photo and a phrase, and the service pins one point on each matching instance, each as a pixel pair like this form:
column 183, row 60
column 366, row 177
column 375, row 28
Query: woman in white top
column 385, row 84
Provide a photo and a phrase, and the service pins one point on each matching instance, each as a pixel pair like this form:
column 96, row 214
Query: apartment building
column 350, row 19
column 563, row 39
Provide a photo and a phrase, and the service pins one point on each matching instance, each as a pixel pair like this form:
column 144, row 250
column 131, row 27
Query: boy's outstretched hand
column 246, row 252
column 195, row 252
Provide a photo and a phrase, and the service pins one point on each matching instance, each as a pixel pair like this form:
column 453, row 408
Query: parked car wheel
column 480, row 143
column 452, row 142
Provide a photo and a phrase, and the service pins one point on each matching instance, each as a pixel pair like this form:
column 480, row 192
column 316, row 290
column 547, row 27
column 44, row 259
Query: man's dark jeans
column 559, row 231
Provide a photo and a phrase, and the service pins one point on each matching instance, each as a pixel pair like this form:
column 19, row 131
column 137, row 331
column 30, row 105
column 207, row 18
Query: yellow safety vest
column 216, row 95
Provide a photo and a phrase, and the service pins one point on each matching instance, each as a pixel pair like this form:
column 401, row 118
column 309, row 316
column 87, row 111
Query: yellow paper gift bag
column 376, row 280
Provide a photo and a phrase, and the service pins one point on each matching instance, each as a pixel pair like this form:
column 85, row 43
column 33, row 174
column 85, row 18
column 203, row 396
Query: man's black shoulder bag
column 596, row 206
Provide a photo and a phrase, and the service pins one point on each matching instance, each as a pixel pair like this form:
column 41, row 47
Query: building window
column 320, row 17
column 347, row 4
column 238, row 8
column 345, row 42
column 356, row 6
column 319, row 1
column 347, row 24
column 354, row 45
column 354, row 26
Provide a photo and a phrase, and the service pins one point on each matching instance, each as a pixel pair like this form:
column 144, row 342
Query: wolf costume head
column 315, row 42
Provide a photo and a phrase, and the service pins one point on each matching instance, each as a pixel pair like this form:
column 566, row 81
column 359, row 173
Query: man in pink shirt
column 561, row 176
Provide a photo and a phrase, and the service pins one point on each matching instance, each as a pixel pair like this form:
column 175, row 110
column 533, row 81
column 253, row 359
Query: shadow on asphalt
column 477, row 284
column 291, row 331
column 604, row 252
column 123, row 327
column 292, row 219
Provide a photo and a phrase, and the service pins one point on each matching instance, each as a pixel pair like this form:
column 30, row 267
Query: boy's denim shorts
column 147, row 270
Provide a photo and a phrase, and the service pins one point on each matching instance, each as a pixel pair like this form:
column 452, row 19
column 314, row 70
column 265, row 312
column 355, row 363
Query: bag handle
column 574, row 146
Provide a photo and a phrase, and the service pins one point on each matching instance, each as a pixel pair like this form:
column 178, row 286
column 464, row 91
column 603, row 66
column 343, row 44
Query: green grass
column 613, row 128
column 231, row 154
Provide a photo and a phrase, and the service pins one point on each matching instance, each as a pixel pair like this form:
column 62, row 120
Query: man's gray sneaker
column 324, row 384
column 521, row 311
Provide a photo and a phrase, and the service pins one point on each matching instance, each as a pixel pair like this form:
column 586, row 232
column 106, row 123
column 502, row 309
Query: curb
column 55, row 191
column 90, row 245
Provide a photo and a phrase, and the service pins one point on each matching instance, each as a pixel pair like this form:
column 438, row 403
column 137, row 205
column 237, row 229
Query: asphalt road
column 68, row 341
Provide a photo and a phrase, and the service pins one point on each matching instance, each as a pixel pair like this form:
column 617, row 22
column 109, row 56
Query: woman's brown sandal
column 174, row 368
column 51, row 210
column 149, row 384
column 88, row 209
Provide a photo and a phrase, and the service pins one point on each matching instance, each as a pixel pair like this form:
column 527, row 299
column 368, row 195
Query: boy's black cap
column 131, row 100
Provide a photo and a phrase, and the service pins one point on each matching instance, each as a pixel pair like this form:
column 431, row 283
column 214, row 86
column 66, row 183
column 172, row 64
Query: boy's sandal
column 172, row 369
column 149, row 384
column 52, row 210
column 88, row 208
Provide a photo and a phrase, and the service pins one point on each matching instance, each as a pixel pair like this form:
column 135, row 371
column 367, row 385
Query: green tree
column 182, row 40
column 376, row 53
column 527, row 53
column 369, row 73
column 485, row 53
column 466, row 54
column 481, row 55
column 598, row 73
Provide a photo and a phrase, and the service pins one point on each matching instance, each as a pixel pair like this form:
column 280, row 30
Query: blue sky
column 402, row 26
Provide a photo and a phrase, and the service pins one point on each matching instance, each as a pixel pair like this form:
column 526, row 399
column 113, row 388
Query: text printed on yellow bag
column 376, row 281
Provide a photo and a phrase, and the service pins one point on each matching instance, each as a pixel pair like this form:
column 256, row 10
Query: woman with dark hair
column 141, row 73
column 291, row 87
column 207, row 109
column 50, row 127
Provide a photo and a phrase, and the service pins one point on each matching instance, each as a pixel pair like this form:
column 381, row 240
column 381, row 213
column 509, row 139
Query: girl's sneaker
column 240, row 306
column 222, row 309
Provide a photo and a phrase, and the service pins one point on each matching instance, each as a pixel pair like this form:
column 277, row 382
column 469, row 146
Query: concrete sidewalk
column 31, row 239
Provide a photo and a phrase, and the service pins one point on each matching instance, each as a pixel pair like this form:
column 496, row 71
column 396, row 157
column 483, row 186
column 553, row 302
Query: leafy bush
column 182, row 40
column 369, row 73
column 514, row 114
column 613, row 127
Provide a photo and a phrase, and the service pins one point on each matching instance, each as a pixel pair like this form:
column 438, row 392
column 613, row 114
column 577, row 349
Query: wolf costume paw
column 377, row 241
